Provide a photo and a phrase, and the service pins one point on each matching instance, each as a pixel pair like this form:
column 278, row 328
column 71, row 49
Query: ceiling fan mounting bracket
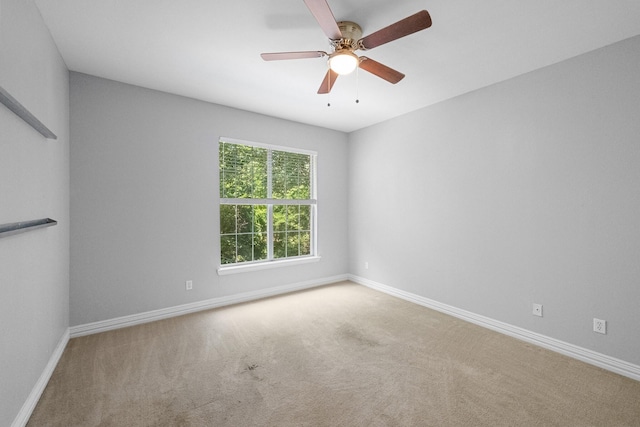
column 351, row 34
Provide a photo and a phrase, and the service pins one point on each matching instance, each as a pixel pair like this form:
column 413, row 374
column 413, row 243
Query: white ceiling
column 210, row 49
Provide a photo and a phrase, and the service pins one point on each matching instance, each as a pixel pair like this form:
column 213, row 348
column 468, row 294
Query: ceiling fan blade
column 402, row 28
column 380, row 70
column 328, row 82
column 277, row 56
column 321, row 11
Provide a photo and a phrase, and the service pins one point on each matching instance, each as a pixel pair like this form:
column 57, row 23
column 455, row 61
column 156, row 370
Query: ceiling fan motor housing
column 351, row 33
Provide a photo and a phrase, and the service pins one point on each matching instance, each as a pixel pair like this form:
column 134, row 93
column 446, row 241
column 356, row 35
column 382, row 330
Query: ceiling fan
column 345, row 38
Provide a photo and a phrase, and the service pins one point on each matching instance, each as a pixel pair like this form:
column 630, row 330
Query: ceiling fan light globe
column 343, row 62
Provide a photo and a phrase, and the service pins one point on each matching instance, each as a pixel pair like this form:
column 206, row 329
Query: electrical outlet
column 188, row 285
column 537, row 310
column 366, row 265
column 599, row 326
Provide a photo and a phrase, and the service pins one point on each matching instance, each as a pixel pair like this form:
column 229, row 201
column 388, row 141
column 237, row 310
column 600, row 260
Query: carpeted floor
column 339, row 355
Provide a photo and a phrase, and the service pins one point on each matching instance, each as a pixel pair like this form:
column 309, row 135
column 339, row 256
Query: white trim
column 29, row 405
column 585, row 355
column 248, row 201
column 314, row 207
column 179, row 310
column 267, row 146
column 246, row 267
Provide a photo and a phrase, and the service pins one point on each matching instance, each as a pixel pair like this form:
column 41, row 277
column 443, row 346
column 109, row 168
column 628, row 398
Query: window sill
column 245, row 268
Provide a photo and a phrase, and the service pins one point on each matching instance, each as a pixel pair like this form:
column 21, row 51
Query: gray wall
column 34, row 183
column 525, row 191
column 144, row 193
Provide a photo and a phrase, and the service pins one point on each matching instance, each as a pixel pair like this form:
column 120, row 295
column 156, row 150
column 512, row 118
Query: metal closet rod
column 24, row 226
column 20, row 110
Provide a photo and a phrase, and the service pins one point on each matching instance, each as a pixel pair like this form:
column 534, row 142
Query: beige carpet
column 340, row 355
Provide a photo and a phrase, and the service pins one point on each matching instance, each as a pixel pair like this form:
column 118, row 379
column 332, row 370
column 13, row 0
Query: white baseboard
column 29, row 405
column 601, row 360
column 179, row 310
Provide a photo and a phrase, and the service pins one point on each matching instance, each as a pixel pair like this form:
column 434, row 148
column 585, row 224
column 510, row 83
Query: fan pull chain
column 329, row 88
column 358, row 84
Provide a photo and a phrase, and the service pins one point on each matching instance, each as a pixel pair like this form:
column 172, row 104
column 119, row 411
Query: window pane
column 279, row 218
column 245, row 218
column 278, row 174
column 243, row 171
column 291, row 175
column 228, row 249
column 259, row 218
column 293, row 244
column 305, row 217
column 279, row 245
column 245, row 247
column 305, row 243
column 293, row 222
column 260, row 246
column 227, row 219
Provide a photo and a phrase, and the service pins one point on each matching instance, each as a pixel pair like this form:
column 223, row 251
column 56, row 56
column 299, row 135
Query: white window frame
column 271, row 262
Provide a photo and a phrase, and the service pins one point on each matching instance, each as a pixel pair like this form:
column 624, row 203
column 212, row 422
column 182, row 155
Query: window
column 267, row 203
